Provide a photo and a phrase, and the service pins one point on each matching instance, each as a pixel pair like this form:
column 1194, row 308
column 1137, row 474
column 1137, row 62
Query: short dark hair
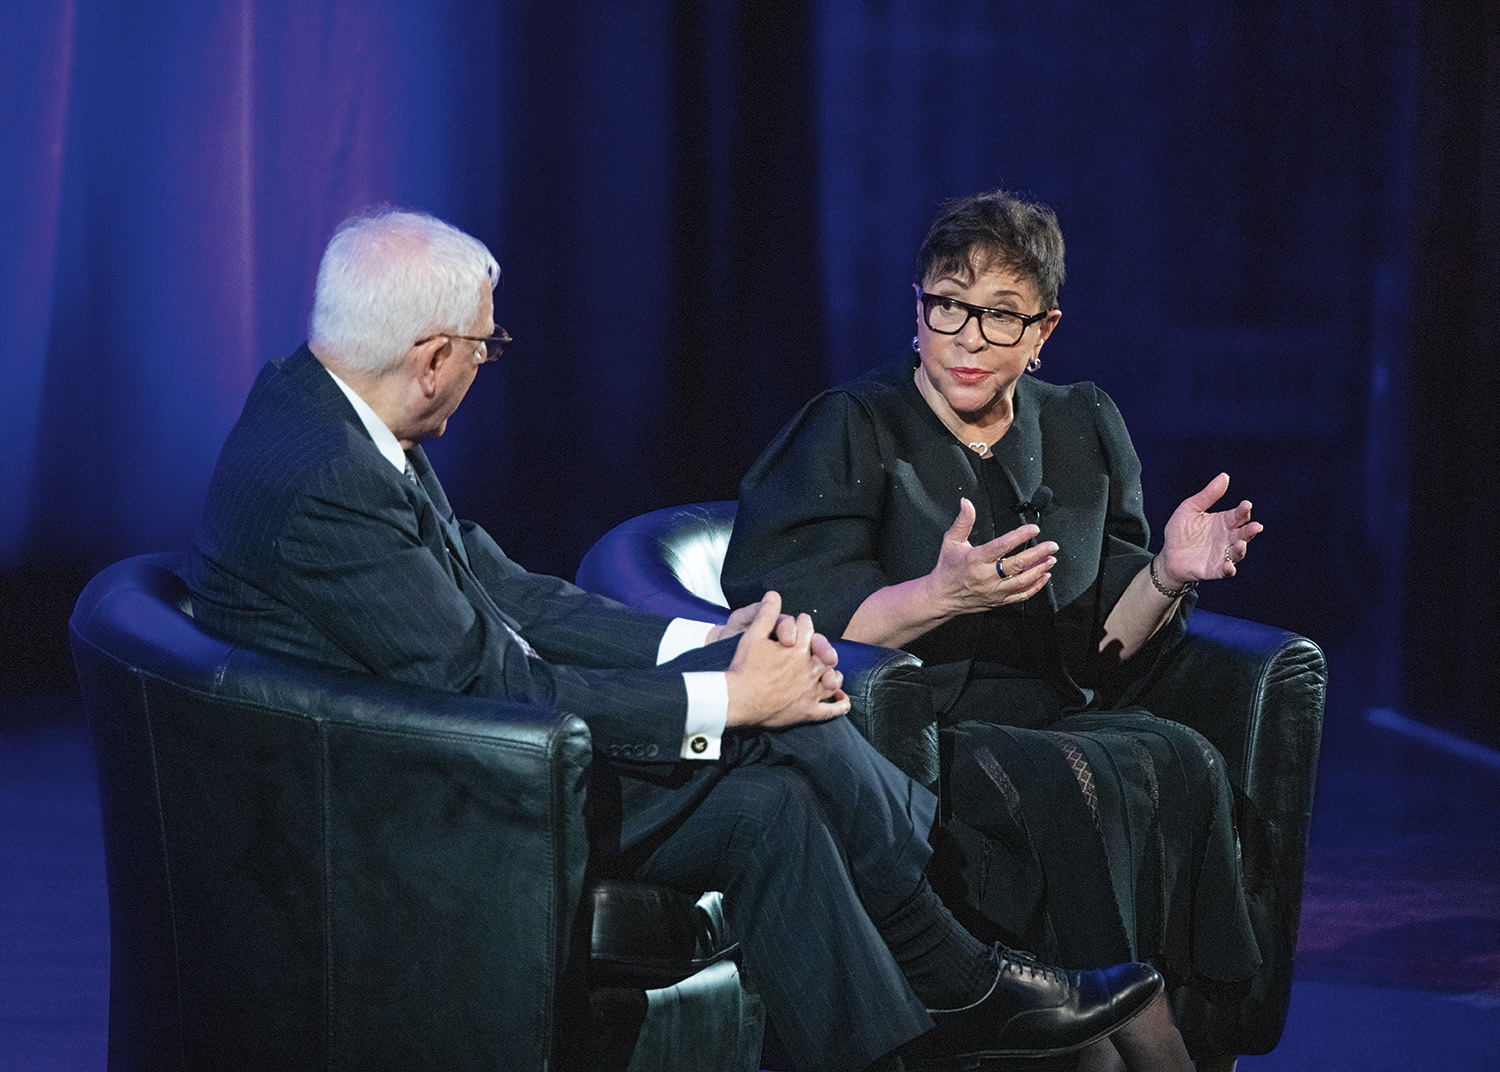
column 995, row 229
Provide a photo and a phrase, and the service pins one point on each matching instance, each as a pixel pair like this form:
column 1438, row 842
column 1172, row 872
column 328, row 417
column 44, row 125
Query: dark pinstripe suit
column 312, row 543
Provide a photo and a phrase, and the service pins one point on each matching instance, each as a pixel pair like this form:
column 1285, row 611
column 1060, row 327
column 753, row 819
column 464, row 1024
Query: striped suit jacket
column 313, row 544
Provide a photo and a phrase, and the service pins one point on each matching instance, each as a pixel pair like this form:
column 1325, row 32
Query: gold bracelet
column 1184, row 590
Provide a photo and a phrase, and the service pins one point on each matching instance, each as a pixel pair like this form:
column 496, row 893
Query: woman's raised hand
column 1202, row 546
column 968, row 578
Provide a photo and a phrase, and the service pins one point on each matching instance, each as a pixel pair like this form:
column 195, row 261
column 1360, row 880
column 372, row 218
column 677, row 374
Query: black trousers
column 811, row 835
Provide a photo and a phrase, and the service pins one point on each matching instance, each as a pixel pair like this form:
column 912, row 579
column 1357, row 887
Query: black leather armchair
column 1256, row 692
column 316, row 869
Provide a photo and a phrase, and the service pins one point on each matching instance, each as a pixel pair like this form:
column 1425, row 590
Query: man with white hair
column 326, row 535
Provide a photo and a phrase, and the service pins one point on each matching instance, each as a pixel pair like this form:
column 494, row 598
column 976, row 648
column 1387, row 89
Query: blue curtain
column 1450, row 591
column 706, row 212
column 179, row 166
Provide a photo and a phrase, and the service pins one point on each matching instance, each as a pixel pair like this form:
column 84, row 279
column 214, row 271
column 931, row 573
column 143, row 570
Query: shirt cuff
column 707, row 713
column 683, row 634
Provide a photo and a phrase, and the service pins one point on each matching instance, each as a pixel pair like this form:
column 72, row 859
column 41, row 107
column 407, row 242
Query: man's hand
column 783, row 673
column 785, row 631
column 739, row 621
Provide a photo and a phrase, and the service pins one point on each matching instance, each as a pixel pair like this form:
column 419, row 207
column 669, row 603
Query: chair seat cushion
column 650, row 936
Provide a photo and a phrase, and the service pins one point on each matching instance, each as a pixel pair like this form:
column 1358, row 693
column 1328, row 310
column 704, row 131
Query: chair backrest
column 312, row 868
column 667, row 561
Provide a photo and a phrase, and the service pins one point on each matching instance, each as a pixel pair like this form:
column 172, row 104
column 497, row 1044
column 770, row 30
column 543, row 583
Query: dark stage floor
column 1399, row 966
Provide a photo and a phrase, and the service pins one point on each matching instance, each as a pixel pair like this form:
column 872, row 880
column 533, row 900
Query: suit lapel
column 423, row 468
column 1019, row 451
column 468, row 583
column 437, row 501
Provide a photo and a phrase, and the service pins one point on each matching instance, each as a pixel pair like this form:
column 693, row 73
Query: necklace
column 979, row 447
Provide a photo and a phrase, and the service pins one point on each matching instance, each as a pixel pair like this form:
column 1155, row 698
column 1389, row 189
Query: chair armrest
column 308, row 861
column 892, row 706
column 455, row 828
column 1237, row 681
column 1257, row 693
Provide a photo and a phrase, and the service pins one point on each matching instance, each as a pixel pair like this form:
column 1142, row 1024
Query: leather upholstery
column 649, row 936
column 315, row 868
column 1256, row 692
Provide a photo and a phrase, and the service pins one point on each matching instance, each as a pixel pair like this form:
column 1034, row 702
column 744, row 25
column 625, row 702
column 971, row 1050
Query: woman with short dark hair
column 953, row 504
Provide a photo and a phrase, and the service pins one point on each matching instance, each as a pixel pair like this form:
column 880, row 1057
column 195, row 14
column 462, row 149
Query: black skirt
column 1103, row 837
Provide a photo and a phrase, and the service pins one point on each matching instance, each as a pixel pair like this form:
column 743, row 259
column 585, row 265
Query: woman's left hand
column 1202, row 546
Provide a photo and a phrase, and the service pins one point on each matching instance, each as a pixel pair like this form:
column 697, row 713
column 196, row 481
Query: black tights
column 1149, row 1043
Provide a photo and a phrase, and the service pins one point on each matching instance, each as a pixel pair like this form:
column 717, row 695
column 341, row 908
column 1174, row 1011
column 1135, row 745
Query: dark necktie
column 433, row 491
column 439, row 501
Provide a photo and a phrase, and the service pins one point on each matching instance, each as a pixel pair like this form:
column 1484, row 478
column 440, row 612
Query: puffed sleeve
column 1127, row 534
column 1127, row 539
column 809, row 515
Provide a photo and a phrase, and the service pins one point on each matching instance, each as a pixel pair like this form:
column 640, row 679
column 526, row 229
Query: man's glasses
column 1000, row 327
column 489, row 345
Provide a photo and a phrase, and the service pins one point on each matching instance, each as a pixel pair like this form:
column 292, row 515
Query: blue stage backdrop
column 708, row 211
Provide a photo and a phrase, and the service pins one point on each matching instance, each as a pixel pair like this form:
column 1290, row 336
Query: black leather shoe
column 1036, row 1011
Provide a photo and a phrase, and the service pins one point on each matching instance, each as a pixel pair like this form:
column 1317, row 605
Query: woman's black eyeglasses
column 1000, row 327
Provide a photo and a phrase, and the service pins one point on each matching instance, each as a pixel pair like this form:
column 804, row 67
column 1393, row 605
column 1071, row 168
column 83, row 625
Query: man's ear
column 427, row 361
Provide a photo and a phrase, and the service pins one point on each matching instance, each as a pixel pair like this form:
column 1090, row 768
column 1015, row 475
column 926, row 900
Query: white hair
column 389, row 278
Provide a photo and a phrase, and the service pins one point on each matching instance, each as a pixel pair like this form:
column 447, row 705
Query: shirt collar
column 385, row 439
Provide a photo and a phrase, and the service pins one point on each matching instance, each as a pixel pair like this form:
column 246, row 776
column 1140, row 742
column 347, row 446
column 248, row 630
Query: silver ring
column 1227, row 557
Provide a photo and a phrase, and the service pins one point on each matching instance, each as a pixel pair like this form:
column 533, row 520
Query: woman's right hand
column 965, row 580
column 968, row 579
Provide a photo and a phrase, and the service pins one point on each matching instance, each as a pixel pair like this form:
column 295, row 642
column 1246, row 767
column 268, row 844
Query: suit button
column 699, row 744
column 651, row 751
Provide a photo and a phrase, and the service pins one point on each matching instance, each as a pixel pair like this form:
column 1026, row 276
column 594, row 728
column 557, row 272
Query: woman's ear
column 1045, row 327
